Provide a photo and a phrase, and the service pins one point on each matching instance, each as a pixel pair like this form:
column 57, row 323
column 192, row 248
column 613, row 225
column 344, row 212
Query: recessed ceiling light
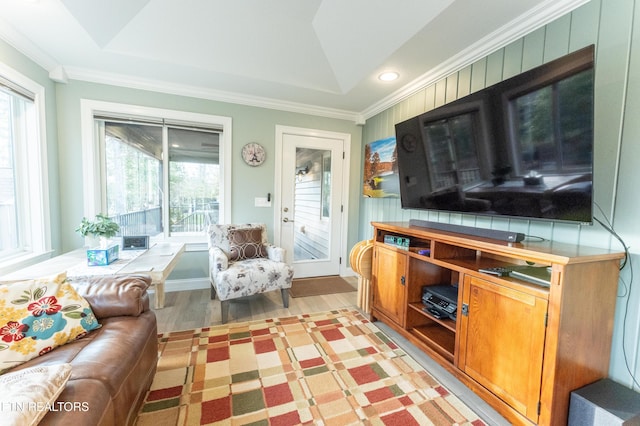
column 388, row 76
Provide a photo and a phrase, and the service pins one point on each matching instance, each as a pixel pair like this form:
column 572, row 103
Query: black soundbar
column 494, row 234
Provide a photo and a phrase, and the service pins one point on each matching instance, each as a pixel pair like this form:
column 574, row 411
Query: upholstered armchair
column 243, row 263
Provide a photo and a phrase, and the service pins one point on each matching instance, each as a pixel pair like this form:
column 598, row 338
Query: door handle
column 286, row 219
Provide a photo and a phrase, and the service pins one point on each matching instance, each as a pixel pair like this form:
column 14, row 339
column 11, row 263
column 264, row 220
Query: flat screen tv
column 520, row 148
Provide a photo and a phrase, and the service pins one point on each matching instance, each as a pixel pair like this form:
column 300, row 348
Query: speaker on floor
column 604, row 403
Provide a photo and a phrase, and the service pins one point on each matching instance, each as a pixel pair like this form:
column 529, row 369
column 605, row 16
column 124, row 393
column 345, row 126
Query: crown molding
column 25, row 46
column 541, row 15
column 61, row 74
column 204, row 93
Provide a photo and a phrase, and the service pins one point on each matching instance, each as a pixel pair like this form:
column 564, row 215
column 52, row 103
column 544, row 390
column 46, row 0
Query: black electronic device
column 139, row 242
column 499, row 271
column 604, row 402
column 488, row 153
column 494, row 234
column 441, row 301
column 540, row 275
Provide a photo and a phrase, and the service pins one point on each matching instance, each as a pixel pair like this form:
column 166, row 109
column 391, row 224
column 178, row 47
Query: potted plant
column 102, row 227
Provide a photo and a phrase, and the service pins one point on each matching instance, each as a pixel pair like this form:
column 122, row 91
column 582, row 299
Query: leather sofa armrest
column 124, row 295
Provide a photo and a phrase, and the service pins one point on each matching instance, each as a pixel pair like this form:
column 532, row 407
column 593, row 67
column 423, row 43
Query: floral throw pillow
column 39, row 315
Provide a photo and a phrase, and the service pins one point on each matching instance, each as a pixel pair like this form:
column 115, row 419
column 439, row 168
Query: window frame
column 33, row 198
column 94, row 199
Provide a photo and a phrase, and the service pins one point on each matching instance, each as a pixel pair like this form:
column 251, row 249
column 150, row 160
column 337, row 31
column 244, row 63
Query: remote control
column 501, row 271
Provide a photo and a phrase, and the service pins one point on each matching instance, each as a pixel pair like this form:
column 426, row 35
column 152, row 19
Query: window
column 133, row 176
column 24, row 215
column 162, row 173
column 553, row 126
column 9, row 240
column 194, row 179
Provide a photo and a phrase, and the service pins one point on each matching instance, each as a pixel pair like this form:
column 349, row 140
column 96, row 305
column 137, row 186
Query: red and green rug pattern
column 332, row 368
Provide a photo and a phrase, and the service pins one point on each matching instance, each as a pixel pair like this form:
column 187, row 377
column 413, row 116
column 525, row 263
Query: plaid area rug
column 332, row 368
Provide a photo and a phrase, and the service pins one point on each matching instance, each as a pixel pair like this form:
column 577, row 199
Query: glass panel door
column 310, row 208
column 312, row 202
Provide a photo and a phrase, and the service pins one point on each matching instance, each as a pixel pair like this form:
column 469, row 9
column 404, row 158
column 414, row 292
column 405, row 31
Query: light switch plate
column 262, row 202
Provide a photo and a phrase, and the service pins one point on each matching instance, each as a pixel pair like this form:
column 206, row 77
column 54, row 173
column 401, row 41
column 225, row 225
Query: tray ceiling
column 321, row 56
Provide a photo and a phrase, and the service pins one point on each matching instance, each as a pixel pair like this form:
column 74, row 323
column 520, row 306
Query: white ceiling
column 316, row 56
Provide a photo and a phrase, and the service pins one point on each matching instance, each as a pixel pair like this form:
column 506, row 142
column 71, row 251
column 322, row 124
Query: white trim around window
column 33, row 203
column 92, row 169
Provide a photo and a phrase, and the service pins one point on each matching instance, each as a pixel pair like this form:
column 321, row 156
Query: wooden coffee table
column 158, row 261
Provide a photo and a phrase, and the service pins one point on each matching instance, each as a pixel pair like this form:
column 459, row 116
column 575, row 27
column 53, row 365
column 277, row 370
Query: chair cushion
column 246, row 244
column 252, row 276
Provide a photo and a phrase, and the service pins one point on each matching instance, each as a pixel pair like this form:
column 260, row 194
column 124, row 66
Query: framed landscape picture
column 380, row 176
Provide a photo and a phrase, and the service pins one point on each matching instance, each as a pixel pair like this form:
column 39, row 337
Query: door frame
column 277, row 211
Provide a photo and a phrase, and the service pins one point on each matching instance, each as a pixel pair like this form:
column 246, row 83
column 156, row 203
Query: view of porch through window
column 312, row 200
column 143, row 162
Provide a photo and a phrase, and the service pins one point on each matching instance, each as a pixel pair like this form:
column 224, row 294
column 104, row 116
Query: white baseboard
column 349, row 272
column 184, row 285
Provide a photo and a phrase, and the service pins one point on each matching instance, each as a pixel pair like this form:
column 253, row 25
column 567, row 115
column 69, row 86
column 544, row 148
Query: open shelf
column 442, row 340
column 445, row 322
column 421, row 251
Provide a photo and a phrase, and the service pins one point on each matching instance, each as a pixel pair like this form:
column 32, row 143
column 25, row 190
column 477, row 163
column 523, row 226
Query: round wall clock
column 253, row 154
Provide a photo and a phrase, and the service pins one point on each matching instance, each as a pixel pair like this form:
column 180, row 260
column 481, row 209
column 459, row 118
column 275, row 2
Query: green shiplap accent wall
column 566, row 34
column 614, row 27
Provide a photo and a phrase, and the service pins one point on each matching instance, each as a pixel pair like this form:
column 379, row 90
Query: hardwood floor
column 186, row 310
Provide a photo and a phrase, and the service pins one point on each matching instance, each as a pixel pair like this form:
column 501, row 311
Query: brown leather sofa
column 113, row 366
